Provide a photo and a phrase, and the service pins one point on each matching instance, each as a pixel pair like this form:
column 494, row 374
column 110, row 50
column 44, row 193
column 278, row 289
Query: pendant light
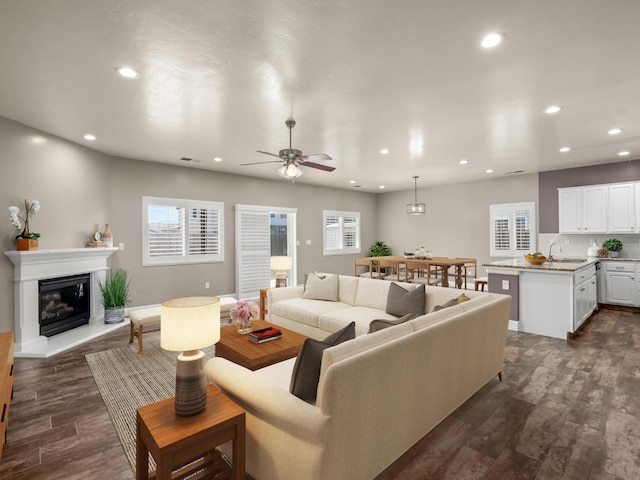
column 416, row 208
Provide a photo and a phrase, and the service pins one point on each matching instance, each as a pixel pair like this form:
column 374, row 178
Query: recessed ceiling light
column 553, row 109
column 623, row 154
column 90, row 137
column 217, row 159
column 492, row 40
column 614, row 131
column 489, row 170
column 127, row 72
column 381, row 187
column 352, row 181
column 463, row 162
column 565, row 149
column 384, row 151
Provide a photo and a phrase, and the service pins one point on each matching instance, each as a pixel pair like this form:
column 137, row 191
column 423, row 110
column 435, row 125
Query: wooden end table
column 239, row 349
column 187, row 444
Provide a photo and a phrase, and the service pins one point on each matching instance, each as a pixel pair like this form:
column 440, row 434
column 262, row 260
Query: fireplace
column 64, row 303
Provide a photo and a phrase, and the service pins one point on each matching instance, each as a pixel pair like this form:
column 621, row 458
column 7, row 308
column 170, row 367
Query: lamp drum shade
column 281, row 263
column 189, row 323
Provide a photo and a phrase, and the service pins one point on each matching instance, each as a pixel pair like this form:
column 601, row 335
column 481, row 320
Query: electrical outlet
column 121, row 246
column 307, row 242
column 206, row 284
column 505, row 284
column 567, row 241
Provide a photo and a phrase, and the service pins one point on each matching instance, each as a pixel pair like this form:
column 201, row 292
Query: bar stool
column 480, row 282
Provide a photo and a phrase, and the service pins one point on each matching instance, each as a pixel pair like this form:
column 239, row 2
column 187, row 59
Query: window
column 513, row 229
column 181, row 231
column 341, row 232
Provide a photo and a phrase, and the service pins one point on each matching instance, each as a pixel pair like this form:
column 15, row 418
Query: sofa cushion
column 321, row 287
column 451, row 302
column 347, row 288
column 401, row 301
column 435, row 317
column 306, row 371
column 305, row 311
column 380, row 324
column 337, row 319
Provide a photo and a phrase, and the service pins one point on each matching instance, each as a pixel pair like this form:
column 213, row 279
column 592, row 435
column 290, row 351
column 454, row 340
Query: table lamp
column 281, row 265
column 186, row 325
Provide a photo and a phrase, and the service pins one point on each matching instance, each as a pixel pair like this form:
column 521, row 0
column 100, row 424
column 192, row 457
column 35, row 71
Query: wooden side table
column 263, row 303
column 186, row 445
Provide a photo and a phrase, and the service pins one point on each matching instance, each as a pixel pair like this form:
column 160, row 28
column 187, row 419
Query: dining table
column 444, row 263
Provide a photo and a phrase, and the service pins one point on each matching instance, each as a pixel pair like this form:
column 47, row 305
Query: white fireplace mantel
column 34, row 265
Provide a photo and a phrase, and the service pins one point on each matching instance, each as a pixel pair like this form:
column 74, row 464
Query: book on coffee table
column 265, row 334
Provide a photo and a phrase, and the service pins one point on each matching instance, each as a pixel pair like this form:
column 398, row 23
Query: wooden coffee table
column 239, row 349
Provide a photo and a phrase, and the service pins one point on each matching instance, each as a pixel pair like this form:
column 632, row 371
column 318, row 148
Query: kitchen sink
column 569, row 260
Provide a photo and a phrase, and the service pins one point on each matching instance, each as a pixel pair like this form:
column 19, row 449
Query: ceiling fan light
column 290, row 172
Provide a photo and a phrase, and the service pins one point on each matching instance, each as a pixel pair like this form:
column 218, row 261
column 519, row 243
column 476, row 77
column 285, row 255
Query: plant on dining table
column 22, row 222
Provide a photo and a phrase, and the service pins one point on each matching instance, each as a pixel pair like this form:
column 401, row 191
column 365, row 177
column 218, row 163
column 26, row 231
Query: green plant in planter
column 115, row 295
column 379, row 249
column 612, row 244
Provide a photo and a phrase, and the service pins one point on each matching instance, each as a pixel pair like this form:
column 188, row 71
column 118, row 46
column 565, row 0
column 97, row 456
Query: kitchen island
column 553, row 299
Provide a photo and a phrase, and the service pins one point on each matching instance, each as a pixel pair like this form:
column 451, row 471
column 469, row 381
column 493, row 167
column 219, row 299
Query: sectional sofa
column 377, row 394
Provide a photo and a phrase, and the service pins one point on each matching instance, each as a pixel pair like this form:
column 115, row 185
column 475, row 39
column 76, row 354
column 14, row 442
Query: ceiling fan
column 293, row 159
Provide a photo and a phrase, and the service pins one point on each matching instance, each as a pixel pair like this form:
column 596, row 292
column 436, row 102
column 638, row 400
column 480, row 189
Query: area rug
column 128, row 380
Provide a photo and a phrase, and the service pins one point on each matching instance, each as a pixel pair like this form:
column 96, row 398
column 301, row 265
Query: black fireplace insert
column 64, row 303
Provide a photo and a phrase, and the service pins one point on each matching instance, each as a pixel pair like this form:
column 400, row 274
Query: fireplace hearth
column 64, row 303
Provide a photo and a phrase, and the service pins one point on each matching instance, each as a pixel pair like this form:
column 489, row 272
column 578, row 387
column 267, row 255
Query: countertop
column 566, row 264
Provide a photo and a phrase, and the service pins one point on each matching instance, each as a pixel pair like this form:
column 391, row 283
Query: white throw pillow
column 321, row 287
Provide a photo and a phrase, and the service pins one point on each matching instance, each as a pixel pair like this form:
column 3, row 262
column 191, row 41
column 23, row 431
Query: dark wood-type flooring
column 566, row 409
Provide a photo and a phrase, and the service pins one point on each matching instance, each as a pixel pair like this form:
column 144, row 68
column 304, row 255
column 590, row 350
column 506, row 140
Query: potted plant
column 614, row 246
column 25, row 240
column 115, row 295
column 379, row 249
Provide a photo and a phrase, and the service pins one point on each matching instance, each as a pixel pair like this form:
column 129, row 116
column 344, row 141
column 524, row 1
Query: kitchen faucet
column 550, row 257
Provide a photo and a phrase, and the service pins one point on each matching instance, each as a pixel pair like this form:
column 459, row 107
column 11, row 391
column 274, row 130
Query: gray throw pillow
column 450, row 303
column 400, row 301
column 306, row 371
column 380, row 324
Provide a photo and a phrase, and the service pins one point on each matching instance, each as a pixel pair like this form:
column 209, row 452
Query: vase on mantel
column 25, row 244
column 107, row 237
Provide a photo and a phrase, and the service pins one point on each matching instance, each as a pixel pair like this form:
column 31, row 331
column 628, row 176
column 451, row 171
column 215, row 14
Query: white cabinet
column 583, row 209
column 585, row 293
column 622, row 212
column 621, row 283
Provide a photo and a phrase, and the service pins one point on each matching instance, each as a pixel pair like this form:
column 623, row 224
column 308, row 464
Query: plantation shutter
column 204, row 231
column 166, row 230
column 253, row 251
column 512, row 229
column 341, row 232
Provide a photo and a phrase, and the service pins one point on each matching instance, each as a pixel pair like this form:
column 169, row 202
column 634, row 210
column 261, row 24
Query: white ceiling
column 219, row 79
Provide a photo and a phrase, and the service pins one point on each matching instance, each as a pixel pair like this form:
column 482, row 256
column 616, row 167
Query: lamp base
column 281, row 279
column 191, row 387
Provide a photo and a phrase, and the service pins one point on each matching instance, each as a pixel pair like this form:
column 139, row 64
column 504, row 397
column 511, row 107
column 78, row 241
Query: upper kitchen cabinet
column 583, row 209
column 622, row 212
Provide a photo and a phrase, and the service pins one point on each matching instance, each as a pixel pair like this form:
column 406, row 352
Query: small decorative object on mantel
column 245, row 311
column 107, row 237
column 97, row 241
column 26, row 240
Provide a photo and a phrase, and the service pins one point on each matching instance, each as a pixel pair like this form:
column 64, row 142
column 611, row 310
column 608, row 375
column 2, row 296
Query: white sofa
column 378, row 394
column 359, row 299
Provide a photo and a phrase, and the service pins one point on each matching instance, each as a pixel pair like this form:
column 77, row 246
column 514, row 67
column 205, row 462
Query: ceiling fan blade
column 268, row 153
column 315, row 157
column 318, row 166
column 258, row 163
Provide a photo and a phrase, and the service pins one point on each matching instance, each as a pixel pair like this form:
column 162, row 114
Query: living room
column 82, row 188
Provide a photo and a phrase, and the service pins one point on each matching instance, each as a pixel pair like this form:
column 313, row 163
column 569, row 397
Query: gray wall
column 628, row 171
column 457, row 220
column 80, row 190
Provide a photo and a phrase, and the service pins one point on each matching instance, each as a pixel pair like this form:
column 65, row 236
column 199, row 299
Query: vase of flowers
column 26, row 239
column 245, row 311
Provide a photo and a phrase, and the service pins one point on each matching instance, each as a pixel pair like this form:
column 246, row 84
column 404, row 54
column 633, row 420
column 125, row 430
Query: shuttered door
column 253, row 251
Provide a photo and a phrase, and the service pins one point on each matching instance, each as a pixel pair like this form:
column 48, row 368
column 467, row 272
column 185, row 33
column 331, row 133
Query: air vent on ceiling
column 187, row 159
column 514, row 172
